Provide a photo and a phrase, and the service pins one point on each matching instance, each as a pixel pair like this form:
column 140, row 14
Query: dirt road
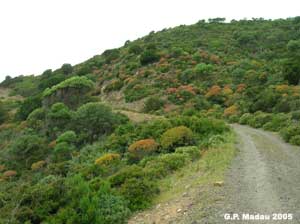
column 264, row 178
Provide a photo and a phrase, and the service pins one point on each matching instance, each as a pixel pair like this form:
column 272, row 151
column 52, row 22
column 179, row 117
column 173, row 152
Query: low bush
column 153, row 104
column 245, row 118
column 142, row 148
column 149, row 56
column 296, row 115
column 127, row 172
column 278, row 122
column 289, row 132
column 193, row 152
column 161, row 166
column 68, row 137
column 203, row 69
column 260, row 119
column 177, row 136
column 115, row 85
column 108, row 159
column 38, row 165
column 295, row 140
column 230, row 111
column 139, row 192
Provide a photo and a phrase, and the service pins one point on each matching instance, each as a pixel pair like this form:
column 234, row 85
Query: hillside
column 94, row 142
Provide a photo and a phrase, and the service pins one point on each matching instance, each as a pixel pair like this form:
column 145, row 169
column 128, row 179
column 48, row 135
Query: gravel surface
column 263, row 179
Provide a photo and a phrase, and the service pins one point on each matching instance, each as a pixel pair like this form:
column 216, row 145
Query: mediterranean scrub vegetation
column 68, row 156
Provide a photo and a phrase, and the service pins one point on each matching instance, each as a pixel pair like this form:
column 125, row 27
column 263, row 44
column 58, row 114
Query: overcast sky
column 39, row 34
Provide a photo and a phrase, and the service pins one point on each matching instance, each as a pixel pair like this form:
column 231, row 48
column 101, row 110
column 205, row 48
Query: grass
column 209, row 169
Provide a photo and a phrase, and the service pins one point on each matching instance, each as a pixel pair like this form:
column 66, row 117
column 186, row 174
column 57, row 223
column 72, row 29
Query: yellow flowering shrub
column 107, row 159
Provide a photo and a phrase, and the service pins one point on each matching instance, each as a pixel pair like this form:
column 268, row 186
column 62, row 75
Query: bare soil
column 264, row 178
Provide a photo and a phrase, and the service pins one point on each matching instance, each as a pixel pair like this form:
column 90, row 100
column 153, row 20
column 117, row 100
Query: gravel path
column 264, row 178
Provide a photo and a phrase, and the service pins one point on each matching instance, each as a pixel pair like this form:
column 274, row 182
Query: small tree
column 93, row 120
column 29, row 105
column 71, row 92
column 149, row 56
column 153, row 104
column 65, row 146
column 27, row 149
column 67, row 69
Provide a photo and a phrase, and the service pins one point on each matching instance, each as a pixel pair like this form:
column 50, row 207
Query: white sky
column 39, row 34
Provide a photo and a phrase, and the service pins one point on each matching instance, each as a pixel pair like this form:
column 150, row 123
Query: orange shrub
column 141, row 148
column 204, row 54
column 6, row 126
column 9, row 173
column 213, row 91
column 38, row 165
column 241, row 87
column 282, row 88
column 2, row 168
column 215, row 59
column 52, row 144
column 107, row 159
column 229, row 111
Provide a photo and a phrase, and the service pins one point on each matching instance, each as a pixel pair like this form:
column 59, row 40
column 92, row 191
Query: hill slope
column 77, row 149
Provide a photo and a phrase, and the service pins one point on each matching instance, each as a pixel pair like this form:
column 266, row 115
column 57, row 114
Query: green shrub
column 68, row 137
column 41, row 199
column 28, row 105
column 289, row 132
column 245, row 118
column 135, row 49
column 277, row 122
column 67, row 69
column 93, row 120
column 259, row 119
column 72, row 92
column 193, row 152
column 296, row 115
column 3, row 113
column 75, row 82
column 149, row 56
column 36, row 119
column 88, row 205
column 234, row 119
column 137, row 92
column 65, row 145
column 128, row 172
column 139, row 192
column 58, row 119
column 27, row 149
column 115, row 85
column 177, row 136
column 203, row 69
column 153, row 104
column 202, row 126
column 295, row 140
column 111, row 55
column 153, row 129
column 161, row 166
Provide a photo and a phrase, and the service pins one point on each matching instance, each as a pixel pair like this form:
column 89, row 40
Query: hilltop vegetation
column 67, row 157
